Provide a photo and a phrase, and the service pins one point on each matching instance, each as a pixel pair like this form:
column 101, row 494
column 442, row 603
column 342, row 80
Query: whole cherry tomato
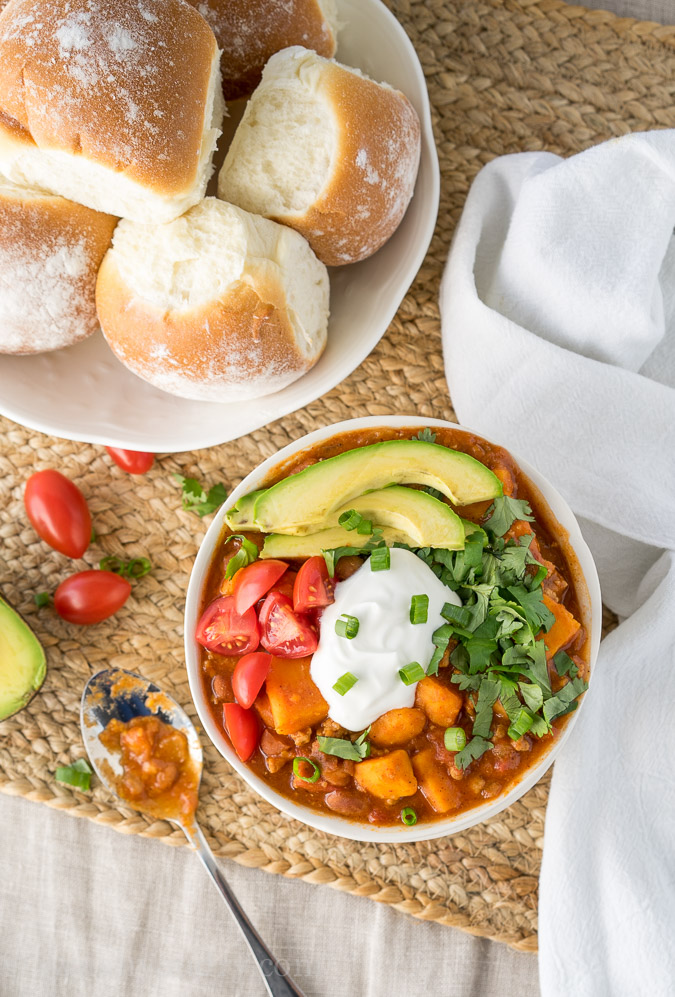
column 313, row 587
column 251, row 583
column 58, row 512
column 132, row 461
column 249, row 675
column 243, row 729
column 283, row 632
column 91, row 596
column 223, row 630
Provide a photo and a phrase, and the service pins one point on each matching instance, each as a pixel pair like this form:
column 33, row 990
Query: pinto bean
column 346, row 802
column 273, row 744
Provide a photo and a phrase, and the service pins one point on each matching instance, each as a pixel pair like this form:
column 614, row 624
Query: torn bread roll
column 326, row 150
column 116, row 104
column 248, row 32
column 218, row 305
column 50, row 252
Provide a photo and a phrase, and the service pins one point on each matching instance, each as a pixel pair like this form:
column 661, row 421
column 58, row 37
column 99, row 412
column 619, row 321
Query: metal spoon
column 121, row 695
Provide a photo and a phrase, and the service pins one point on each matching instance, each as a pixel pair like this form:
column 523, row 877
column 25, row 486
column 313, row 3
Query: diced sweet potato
column 440, row 702
column 397, row 726
column 295, row 701
column 563, row 630
column 441, row 792
column 388, row 777
column 262, row 705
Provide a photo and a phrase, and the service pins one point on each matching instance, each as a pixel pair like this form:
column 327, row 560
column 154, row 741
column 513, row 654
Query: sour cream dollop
column 386, row 641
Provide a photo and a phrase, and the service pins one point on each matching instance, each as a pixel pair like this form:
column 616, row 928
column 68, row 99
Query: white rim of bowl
column 591, row 602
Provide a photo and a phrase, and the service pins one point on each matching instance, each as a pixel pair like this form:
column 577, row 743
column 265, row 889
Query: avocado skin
column 18, row 640
column 304, row 501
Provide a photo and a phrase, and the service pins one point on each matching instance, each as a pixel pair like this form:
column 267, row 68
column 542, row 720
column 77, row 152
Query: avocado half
column 23, row 665
column 306, row 502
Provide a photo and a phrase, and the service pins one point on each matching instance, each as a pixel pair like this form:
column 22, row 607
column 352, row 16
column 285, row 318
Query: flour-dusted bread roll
column 327, row 151
column 218, row 305
column 50, row 252
column 116, row 104
column 248, row 32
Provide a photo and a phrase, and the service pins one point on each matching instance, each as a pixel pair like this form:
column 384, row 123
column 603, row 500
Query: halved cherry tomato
column 313, row 586
column 223, row 630
column 251, row 583
column 91, row 596
column 285, row 633
column 249, row 675
column 132, row 461
column 243, row 729
column 58, row 512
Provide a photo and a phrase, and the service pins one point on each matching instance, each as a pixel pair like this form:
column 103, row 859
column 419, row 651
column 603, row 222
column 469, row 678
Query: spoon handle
column 276, row 979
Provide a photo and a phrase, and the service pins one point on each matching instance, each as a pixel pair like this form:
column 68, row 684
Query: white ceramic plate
column 591, row 607
column 84, row 393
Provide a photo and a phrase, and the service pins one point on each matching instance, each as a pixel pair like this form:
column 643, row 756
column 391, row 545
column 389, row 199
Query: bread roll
column 50, row 252
column 218, row 305
column 113, row 103
column 327, row 151
column 249, row 31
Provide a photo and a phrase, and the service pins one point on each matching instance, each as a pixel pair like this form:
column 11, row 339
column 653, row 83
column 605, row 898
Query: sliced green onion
column 408, row 816
column 419, row 609
column 411, row 673
column 316, row 771
column 78, row 774
column 454, row 739
column 350, row 520
column 347, row 627
column 459, row 615
column 380, row 560
column 138, row 567
column 42, row 599
column 345, row 683
column 520, row 725
column 365, row 527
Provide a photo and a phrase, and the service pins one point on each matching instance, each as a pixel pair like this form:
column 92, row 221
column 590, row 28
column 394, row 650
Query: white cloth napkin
column 558, row 313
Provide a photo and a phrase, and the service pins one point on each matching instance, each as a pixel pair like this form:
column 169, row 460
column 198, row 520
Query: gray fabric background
column 86, row 912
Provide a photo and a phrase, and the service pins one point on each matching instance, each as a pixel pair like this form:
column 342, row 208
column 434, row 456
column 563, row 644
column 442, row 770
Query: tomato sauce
column 498, row 770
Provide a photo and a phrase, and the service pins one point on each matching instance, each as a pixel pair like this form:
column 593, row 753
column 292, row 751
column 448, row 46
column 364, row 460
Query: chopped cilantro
column 425, row 436
column 78, row 774
column 476, row 747
column 487, row 697
column 247, row 553
column 537, row 613
column 195, row 499
column 354, row 751
column 332, row 556
column 564, row 665
column 504, row 512
column 42, row 599
column 532, row 694
column 557, row 705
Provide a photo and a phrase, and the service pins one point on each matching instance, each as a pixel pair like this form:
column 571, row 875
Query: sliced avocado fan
column 282, row 545
column 305, row 502
column 22, row 662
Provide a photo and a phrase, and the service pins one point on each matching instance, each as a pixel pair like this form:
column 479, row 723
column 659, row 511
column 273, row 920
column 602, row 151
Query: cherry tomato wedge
column 91, row 596
column 242, row 728
column 223, row 630
column 58, row 512
column 132, row 461
column 251, row 583
column 283, row 632
column 249, row 676
column 313, row 586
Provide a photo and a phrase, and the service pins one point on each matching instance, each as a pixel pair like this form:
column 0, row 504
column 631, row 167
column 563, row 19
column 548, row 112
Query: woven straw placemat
column 504, row 76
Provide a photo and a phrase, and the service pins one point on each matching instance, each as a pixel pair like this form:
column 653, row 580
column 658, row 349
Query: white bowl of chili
column 571, row 574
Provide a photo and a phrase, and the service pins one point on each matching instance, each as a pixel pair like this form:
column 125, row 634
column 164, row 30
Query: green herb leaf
column 136, row 567
column 508, row 698
column 78, row 774
column 481, row 650
column 557, row 705
column 434, row 492
column 425, row 436
column 333, row 555
column 564, row 665
column 537, row 613
column 533, row 695
column 487, row 697
column 476, row 747
column 440, row 639
column 504, row 511
column 466, row 681
column 247, row 553
column 195, row 499
column 354, row 751
column 42, row 599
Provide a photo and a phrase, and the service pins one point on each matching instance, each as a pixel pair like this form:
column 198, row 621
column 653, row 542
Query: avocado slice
column 240, row 516
column 308, row 499
column 22, row 662
column 283, row 546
